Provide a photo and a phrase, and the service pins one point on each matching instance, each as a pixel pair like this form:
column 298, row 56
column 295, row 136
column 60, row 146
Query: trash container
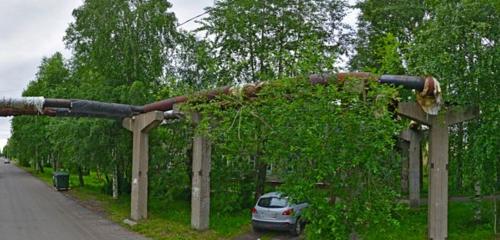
column 61, row 180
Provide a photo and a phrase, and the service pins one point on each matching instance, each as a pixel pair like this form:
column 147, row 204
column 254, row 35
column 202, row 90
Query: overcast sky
column 33, row 29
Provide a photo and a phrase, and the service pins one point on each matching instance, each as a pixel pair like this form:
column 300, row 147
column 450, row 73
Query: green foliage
column 121, row 49
column 458, row 43
column 329, row 145
column 309, row 134
column 170, row 165
column 125, row 41
column 266, row 40
column 378, row 22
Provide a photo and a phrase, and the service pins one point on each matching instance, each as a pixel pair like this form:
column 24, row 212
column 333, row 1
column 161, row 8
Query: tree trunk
column 477, row 200
column 404, row 150
column 189, row 163
column 459, row 158
column 496, row 214
column 115, row 183
column 354, row 236
column 495, row 199
column 40, row 165
column 261, row 168
column 80, row 176
column 53, row 162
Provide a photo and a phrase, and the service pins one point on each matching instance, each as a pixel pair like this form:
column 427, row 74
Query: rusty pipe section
column 27, row 104
column 409, row 82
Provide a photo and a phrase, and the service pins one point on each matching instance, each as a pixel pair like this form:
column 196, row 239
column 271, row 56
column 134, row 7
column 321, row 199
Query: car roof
column 272, row 194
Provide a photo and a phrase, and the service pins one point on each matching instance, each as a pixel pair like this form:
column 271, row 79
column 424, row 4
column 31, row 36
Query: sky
column 33, row 29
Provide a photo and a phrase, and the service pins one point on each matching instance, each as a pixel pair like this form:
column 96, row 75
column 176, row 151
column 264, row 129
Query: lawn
column 165, row 221
column 172, row 220
column 461, row 224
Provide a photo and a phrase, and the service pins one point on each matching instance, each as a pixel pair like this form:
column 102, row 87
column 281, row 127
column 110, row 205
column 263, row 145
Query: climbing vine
column 328, row 146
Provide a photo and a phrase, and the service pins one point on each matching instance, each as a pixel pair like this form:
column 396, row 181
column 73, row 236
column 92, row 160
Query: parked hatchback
column 273, row 211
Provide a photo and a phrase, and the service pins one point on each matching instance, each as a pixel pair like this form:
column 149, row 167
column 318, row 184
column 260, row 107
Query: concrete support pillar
column 438, row 160
column 411, row 161
column 438, row 181
column 415, row 159
column 200, row 191
column 404, row 147
column 140, row 126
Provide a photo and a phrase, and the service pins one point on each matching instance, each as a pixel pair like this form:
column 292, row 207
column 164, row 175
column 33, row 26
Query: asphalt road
column 29, row 209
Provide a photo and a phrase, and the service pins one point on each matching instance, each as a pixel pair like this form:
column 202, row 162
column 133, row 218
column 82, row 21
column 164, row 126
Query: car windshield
column 272, row 202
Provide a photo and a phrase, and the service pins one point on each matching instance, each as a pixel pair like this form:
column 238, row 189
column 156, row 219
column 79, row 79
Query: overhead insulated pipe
column 428, row 89
column 111, row 110
column 168, row 104
column 56, row 103
column 328, row 78
column 409, row 82
column 66, row 108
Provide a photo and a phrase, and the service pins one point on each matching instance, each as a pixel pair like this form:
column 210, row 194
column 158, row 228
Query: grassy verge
column 172, row 220
column 165, row 221
column 461, row 224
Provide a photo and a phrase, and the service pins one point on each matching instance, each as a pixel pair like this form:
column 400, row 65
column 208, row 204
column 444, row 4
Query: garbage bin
column 60, row 180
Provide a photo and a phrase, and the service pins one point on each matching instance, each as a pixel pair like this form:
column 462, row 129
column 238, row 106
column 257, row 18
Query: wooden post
column 200, row 191
column 438, row 159
column 140, row 126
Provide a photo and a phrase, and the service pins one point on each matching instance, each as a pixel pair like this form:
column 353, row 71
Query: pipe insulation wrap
column 57, row 103
column 101, row 109
column 63, row 112
column 24, row 103
column 409, row 82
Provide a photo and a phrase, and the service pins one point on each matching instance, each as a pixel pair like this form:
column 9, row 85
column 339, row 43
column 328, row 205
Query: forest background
column 133, row 52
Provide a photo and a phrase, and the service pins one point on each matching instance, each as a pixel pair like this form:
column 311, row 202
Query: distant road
column 31, row 210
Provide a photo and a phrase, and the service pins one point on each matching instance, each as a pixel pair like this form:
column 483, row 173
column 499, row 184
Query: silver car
column 274, row 211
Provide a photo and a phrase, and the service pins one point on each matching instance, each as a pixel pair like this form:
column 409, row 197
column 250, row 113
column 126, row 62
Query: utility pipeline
column 426, row 87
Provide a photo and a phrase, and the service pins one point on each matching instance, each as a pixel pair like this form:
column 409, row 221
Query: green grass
column 461, row 225
column 171, row 220
column 166, row 220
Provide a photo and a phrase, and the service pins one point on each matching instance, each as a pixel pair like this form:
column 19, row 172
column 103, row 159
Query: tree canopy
column 330, row 145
